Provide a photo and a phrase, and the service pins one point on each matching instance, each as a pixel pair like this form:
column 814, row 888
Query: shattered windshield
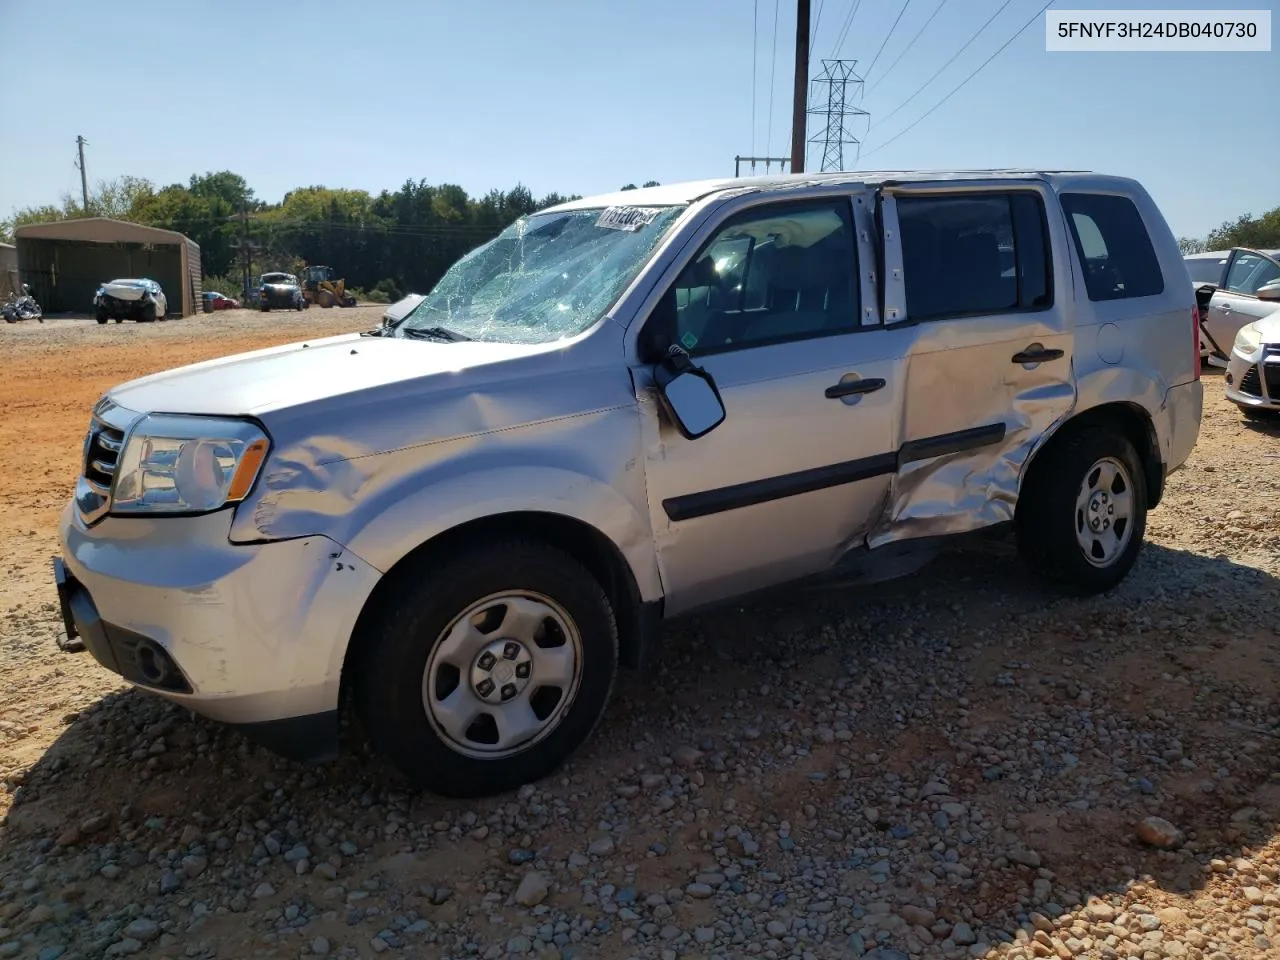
column 546, row 277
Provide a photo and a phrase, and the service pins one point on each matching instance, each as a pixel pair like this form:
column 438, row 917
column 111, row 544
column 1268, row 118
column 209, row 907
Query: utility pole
column 799, row 97
column 244, row 228
column 84, row 179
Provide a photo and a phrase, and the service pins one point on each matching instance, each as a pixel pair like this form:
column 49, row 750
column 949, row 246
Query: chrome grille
column 102, row 452
column 103, row 446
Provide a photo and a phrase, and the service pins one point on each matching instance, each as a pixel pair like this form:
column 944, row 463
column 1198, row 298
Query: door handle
column 849, row 388
column 1038, row 355
column 1225, row 307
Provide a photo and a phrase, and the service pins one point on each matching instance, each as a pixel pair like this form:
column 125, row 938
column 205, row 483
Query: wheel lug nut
column 484, row 687
column 508, row 691
column 523, row 670
column 510, row 650
column 486, row 662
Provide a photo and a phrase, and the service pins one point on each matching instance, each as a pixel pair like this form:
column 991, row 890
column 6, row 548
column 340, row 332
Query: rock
column 601, row 848
column 193, row 866
column 190, row 834
column 123, row 948
column 68, row 837
column 94, row 823
column 143, row 929
column 169, row 881
column 520, row 856
column 10, row 948
column 1101, row 911
column 263, row 890
column 378, row 945
column 932, row 789
column 320, row 946
column 963, row 934
column 1160, row 833
column 1253, row 895
column 917, row 915
column 1028, row 858
column 704, row 934
column 776, row 928
column 296, row 853
column 519, row 945
column 686, row 756
column 51, row 952
column 532, row 890
column 699, row 891
column 110, row 871
column 885, row 953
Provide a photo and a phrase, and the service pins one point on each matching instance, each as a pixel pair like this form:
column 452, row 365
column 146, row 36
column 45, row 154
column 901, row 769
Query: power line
column 813, row 34
column 956, row 89
column 910, row 43
column 844, row 29
column 906, row 3
column 938, row 73
column 773, row 70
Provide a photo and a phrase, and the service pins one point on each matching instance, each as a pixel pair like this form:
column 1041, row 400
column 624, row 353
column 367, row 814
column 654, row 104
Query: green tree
column 1247, row 231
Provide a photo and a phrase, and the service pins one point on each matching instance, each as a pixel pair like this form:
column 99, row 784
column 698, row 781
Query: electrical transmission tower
column 837, row 76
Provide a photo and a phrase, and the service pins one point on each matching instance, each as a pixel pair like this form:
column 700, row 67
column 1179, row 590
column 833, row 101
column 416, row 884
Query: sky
column 583, row 96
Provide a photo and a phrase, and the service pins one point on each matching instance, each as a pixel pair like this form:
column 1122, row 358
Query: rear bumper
column 248, row 634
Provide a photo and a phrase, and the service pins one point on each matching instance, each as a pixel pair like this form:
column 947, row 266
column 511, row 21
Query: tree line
column 1260, row 233
column 382, row 245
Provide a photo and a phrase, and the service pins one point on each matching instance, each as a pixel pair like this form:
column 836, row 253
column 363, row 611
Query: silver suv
column 622, row 409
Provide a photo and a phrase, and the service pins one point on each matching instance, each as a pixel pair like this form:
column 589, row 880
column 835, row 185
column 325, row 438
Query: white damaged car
column 140, row 300
column 1253, row 372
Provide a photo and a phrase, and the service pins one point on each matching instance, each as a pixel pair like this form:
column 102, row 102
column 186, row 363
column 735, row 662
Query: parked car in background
column 220, row 301
column 1253, row 373
column 621, row 409
column 1240, row 298
column 280, row 290
column 1206, row 270
column 139, row 300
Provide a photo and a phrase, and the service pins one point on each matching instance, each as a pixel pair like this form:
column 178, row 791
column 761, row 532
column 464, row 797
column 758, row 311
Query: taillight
column 1195, row 340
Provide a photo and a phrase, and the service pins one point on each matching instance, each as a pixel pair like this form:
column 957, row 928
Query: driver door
column 771, row 308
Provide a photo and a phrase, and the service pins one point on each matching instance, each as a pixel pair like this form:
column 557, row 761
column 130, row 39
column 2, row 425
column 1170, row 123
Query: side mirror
column 689, row 395
column 1270, row 291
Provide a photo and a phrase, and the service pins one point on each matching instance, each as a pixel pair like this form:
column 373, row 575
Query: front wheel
column 488, row 669
column 1082, row 513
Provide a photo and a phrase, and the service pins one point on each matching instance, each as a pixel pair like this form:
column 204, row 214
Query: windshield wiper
column 433, row 333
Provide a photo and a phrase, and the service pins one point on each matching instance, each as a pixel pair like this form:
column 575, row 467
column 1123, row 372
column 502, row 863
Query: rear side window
column 1115, row 250
column 968, row 255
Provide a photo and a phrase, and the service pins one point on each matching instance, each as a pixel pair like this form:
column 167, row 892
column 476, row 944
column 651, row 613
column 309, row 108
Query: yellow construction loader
column 319, row 286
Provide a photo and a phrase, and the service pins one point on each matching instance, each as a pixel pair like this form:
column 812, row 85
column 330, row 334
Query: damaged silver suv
column 622, row 409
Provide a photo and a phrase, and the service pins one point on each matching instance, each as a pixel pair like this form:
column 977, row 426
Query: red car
column 220, row 302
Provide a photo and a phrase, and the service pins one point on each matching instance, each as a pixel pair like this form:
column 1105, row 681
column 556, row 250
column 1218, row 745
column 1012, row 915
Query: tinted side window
column 1249, row 272
column 974, row 254
column 783, row 273
column 1206, row 269
column 1115, row 250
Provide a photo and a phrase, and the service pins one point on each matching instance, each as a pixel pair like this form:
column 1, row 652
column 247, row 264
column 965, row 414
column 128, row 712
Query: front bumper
column 1254, row 383
column 248, row 634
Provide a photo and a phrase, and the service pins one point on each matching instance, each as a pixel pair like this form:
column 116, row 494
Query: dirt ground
column 951, row 766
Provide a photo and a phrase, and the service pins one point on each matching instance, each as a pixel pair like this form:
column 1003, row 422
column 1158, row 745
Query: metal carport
column 64, row 262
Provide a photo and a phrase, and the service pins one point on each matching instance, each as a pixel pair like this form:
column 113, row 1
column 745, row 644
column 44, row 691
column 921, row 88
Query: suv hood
column 259, row 382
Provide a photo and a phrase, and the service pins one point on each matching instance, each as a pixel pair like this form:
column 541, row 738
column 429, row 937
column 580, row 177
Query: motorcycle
column 21, row 308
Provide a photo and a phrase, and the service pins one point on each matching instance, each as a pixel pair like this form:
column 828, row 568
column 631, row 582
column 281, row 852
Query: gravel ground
column 963, row 764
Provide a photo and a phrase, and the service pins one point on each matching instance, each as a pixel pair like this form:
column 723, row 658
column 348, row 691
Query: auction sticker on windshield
column 626, row 218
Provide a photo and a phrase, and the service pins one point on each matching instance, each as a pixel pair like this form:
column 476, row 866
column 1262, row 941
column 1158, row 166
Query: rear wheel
column 1082, row 512
column 325, row 299
column 489, row 669
column 265, row 309
column 101, row 316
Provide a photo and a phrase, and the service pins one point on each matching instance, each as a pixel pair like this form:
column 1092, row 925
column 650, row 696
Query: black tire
column 101, row 317
column 119, row 319
column 1047, row 519
column 395, row 642
column 265, row 309
column 298, row 306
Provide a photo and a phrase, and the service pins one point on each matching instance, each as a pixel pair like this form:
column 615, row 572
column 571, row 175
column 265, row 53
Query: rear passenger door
column 989, row 368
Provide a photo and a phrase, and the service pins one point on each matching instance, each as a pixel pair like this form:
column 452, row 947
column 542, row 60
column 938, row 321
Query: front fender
column 385, row 505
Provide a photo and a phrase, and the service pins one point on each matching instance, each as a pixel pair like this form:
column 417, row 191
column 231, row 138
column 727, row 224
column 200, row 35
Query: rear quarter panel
column 1135, row 349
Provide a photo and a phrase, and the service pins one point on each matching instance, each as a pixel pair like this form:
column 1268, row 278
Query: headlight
column 1248, row 340
column 174, row 464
